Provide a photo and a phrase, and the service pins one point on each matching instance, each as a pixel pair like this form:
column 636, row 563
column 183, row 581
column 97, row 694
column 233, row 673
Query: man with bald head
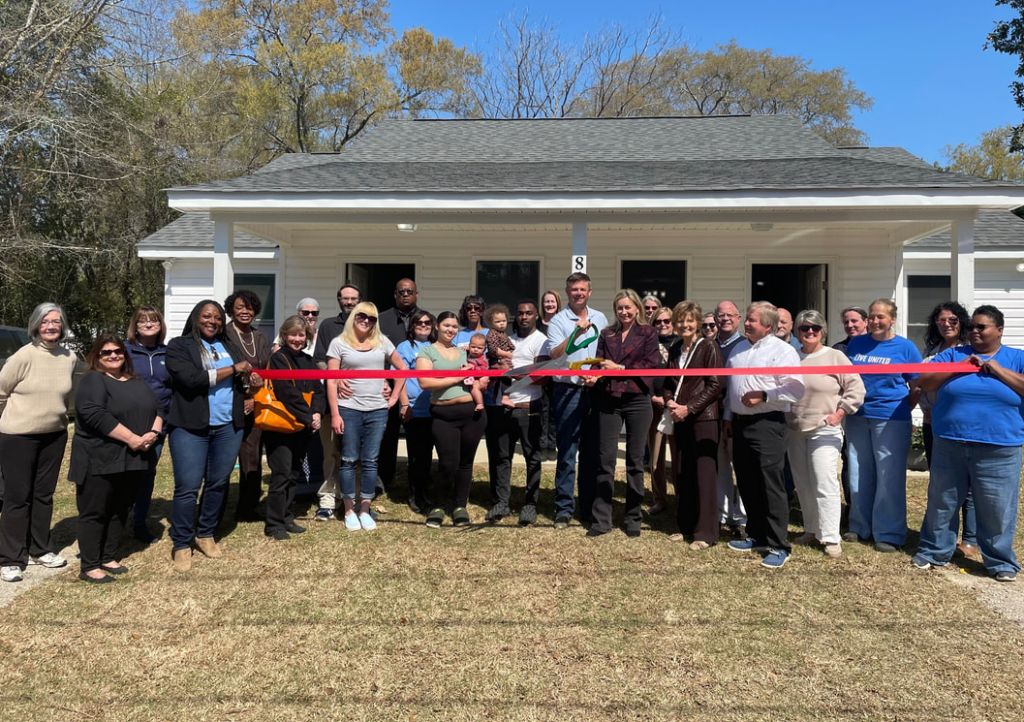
column 730, row 507
column 785, row 330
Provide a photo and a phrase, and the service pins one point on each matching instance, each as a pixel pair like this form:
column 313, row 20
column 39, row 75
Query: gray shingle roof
column 993, row 230
column 618, row 177
column 195, row 231
column 887, row 154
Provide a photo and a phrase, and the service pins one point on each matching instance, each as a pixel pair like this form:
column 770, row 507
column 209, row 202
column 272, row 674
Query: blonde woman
column 360, row 419
column 550, row 304
column 629, row 343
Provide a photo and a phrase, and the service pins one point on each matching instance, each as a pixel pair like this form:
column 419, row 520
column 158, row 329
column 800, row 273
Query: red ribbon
column 919, row 368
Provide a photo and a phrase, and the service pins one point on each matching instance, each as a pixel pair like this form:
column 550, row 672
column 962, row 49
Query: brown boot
column 208, row 547
column 182, row 560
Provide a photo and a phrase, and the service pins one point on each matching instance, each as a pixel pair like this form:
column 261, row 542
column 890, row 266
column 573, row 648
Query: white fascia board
column 201, row 201
column 944, row 255
column 161, row 254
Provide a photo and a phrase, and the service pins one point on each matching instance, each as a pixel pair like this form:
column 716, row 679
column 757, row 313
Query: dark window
column 508, row 282
column 377, row 281
column 263, row 285
column 795, row 287
column 923, row 294
column 665, row 280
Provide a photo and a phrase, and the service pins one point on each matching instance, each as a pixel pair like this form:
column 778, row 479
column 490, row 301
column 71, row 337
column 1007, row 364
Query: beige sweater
column 34, row 387
column 825, row 393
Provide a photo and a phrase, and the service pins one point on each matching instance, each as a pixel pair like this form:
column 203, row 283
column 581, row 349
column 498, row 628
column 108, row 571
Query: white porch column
column 899, row 294
column 223, row 252
column 579, row 247
column 961, row 257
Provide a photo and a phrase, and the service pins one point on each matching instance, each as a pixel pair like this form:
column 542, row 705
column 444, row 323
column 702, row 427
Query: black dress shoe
column 632, row 533
column 119, row 569
column 101, row 580
column 294, row 528
column 594, row 531
column 278, row 535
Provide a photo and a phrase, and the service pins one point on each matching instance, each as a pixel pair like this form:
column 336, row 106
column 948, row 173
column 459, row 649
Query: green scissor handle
column 572, row 347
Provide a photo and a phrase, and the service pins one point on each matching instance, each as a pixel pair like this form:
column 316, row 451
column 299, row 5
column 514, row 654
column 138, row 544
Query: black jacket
column 290, row 393
column 190, row 386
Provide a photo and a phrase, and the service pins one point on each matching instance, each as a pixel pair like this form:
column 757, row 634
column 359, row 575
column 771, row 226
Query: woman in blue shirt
column 978, row 433
column 878, row 436
column 415, row 411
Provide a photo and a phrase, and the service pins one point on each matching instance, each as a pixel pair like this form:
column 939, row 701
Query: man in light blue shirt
column 575, row 426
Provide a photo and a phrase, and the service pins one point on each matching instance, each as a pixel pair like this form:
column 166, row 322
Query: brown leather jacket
column 700, row 393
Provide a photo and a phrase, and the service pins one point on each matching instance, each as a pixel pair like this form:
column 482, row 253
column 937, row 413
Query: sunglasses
column 107, row 352
column 314, row 314
column 405, row 292
column 709, row 325
column 650, row 308
column 663, row 322
column 474, row 307
column 980, row 326
column 372, row 320
column 949, row 321
column 807, row 328
column 425, row 322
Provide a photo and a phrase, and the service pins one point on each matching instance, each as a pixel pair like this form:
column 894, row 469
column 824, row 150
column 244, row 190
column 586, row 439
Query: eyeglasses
column 148, row 323
column 954, row 321
column 314, row 314
column 104, row 353
column 808, row 328
column 43, row 324
column 473, row 307
column 721, row 316
column 980, row 326
column 709, row 325
column 366, row 319
column 405, row 292
column 425, row 322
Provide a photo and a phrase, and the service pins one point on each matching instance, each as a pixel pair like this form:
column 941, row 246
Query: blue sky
column 921, row 61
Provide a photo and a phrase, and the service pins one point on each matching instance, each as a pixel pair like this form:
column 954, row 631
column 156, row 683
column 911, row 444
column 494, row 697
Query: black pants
column 103, row 503
column 31, row 463
column 759, row 459
column 505, row 426
column 250, row 470
column 457, row 430
column 547, row 420
column 284, row 457
column 696, row 446
column 419, row 442
column 636, row 412
column 387, row 459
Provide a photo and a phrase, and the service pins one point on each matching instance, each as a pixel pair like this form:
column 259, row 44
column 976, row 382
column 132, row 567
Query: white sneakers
column 11, row 574
column 49, row 560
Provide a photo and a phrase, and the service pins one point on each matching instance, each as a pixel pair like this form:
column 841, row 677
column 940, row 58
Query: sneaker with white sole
column 11, row 574
column 323, row 514
column 49, row 560
column 365, row 521
column 352, row 521
column 919, row 562
column 775, row 559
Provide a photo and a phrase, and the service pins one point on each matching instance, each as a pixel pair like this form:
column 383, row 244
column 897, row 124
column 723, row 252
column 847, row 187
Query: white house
column 707, row 208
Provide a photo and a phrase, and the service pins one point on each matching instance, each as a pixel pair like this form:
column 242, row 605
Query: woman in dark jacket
column 631, row 344
column 117, row 426
column 207, row 374
column 148, row 354
column 693, row 406
column 657, row 442
column 285, row 452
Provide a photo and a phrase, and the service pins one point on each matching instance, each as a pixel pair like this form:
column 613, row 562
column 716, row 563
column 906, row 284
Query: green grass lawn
column 500, row 622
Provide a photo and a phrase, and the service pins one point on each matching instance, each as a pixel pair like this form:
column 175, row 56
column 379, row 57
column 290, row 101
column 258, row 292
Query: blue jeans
column 364, row 431
column 145, row 493
column 575, row 429
column 992, row 473
column 970, row 528
column 878, row 451
column 208, row 455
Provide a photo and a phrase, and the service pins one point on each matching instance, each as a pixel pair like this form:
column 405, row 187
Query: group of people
column 778, row 434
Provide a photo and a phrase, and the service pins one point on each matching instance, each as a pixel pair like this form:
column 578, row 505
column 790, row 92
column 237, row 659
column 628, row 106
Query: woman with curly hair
column 243, row 306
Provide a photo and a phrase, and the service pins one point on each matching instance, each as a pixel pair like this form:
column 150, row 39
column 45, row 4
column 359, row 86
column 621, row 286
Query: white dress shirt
column 782, row 389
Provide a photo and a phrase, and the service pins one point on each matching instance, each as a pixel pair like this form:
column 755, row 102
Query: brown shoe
column 698, row 546
column 208, row 547
column 967, row 550
column 834, row 550
column 182, row 560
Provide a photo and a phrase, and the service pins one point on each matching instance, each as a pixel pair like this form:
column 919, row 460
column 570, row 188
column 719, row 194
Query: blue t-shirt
column 978, row 406
column 419, row 401
column 463, row 337
column 222, row 396
column 887, row 394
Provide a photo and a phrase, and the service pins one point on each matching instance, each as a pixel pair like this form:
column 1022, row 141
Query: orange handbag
column 271, row 414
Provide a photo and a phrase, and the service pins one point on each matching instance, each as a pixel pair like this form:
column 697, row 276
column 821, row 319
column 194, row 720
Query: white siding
column 190, row 281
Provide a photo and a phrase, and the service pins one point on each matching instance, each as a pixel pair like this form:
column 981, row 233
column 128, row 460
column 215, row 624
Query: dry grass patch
column 505, row 623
